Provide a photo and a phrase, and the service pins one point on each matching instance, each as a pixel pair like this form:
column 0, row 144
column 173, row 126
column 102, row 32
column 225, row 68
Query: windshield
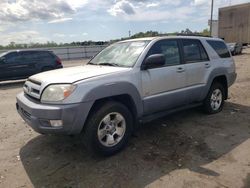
column 3, row 54
column 124, row 54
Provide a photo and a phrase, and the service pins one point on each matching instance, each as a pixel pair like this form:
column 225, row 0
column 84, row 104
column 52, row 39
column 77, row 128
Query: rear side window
column 194, row 51
column 44, row 55
column 220, row 48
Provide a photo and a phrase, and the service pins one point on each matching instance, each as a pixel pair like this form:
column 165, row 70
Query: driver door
column 6, row 66
column 3, row 69
column 15, row 65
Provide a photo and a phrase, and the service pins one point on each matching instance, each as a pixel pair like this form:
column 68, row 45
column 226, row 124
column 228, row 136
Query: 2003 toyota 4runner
column 128, row 82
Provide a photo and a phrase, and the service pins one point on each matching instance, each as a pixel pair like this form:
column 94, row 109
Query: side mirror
column 153, row 61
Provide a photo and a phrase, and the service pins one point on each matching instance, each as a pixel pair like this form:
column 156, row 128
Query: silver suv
column 128, row 83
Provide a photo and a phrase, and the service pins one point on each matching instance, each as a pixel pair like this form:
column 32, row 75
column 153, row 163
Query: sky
column 26, row 21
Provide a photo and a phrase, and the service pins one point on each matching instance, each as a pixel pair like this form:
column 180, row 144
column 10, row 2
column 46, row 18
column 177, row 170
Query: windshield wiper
column 110, row 64
column 90, row 63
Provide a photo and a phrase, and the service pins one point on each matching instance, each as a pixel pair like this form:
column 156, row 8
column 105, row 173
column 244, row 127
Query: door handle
column 180, row 69
column 207, row 65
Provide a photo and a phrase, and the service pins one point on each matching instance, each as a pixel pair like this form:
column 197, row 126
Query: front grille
column 35, row 91
column 32, row 98
column 32, row 89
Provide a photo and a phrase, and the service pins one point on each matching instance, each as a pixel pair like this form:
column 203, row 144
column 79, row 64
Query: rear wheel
column 214, row 101
column 108, row 129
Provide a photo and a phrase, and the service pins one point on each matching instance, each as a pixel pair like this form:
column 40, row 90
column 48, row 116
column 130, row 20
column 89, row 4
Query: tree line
column 52, row 44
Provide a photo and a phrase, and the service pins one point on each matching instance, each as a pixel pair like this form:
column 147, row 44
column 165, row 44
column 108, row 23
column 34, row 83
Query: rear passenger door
column 45, row 60
column 197, row 66
column 163, row 87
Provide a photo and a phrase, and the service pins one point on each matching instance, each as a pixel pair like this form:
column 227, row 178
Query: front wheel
column 108, row 129
column 214, row 101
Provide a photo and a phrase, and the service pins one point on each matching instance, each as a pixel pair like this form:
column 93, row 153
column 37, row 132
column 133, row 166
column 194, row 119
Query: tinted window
column 204, row 55
column 169, row 48
column 220, row 47
column 36, row 56
column 193, row 51
column 13, row 57
column 44, row 55
column 28, row 56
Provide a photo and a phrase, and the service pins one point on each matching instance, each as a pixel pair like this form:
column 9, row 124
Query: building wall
column 234, row 23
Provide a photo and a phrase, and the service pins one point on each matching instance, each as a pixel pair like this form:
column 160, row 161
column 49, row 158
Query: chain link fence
column 74, row 52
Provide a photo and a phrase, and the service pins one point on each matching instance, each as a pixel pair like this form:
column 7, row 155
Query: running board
column 148, row 118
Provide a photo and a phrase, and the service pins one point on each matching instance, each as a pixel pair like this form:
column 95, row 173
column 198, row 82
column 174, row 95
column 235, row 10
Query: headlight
column 56, row 93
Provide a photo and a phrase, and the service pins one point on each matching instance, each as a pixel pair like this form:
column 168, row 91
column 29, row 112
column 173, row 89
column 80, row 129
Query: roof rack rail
column 193, row 35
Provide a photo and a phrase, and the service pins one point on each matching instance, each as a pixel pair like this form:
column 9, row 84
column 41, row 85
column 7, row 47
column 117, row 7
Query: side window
column 169, row 48
column 194, row 51
column 204, row 55
column 220, row 48
column 44, row 55
column 29, row 56
column 13, row 57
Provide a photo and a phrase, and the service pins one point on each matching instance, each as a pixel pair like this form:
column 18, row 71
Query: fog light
column 56, row 123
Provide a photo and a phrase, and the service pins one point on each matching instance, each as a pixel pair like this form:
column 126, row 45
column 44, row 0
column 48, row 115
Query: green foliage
column 205, row 32
column 146, row 34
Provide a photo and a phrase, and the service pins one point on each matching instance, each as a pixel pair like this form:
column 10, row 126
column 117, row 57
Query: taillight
column 58, row 61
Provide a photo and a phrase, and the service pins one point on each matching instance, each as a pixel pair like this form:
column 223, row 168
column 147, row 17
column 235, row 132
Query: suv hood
column 74, row 74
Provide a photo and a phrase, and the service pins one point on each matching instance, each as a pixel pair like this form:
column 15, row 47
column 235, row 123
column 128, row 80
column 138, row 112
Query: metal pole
column 211, row 20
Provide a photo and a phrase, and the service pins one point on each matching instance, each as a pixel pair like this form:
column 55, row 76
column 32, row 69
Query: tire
column 214, row 101
column 108, row 129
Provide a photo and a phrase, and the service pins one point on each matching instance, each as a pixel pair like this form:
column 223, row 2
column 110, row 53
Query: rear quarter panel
column 219, row 67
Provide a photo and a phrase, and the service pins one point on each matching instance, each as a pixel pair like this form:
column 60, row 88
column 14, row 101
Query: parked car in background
column 128, row 82
column 235, row 48
column 22, row 64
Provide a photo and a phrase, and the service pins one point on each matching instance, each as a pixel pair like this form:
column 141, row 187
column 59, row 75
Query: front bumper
column 38, row 115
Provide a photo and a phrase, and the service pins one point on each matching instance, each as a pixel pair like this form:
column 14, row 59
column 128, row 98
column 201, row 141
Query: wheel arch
column 222, row 79
column 124, row 99
column 120, row 91
column 123, row 92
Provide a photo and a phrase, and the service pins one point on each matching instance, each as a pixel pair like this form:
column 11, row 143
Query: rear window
column 220, row 48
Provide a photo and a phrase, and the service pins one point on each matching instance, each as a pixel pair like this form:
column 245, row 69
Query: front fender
column 115, row 89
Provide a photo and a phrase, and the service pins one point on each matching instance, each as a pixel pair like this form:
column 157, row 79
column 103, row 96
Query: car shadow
column 186, row 140
column 11, row 84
